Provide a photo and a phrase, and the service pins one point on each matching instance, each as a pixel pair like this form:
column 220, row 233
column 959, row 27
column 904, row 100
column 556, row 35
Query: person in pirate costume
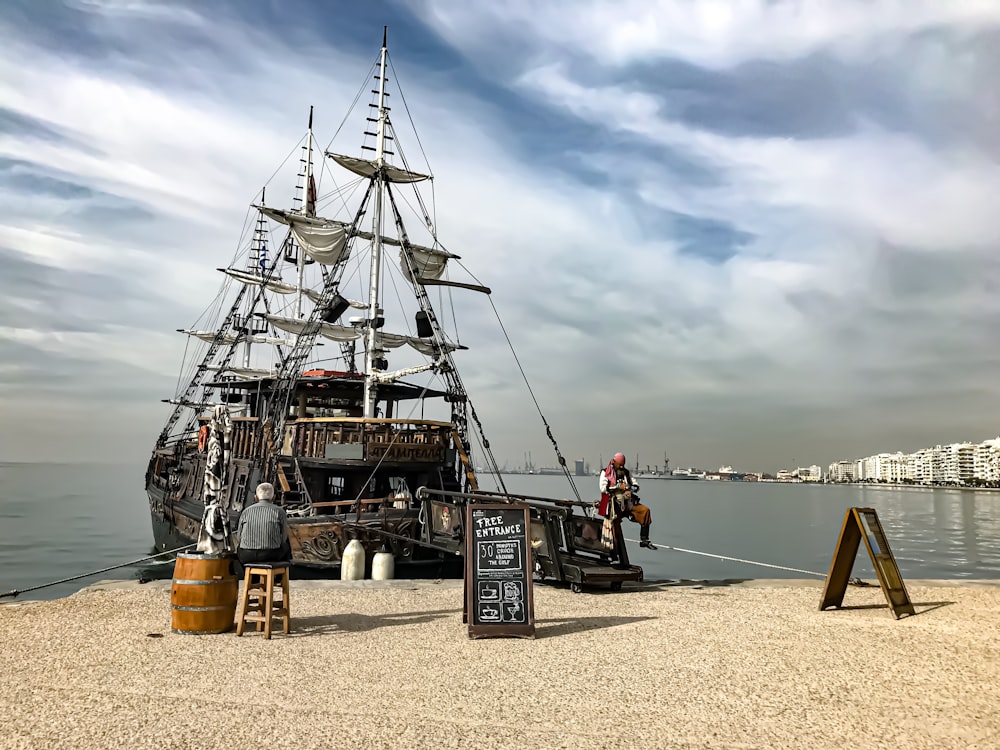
column 617, row 500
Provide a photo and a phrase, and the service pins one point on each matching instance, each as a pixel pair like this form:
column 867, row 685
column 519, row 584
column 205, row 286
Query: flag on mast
column 311, row 197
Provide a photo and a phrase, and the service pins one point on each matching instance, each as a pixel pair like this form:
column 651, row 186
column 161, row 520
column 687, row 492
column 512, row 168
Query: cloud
column 709, row 33
column 742, row 234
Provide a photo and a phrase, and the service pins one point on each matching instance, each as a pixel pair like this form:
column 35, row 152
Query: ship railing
column 243, row 441
column 359, row 438
column 245, row 437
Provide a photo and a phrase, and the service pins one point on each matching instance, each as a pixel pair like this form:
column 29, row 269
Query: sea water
column 62, row 520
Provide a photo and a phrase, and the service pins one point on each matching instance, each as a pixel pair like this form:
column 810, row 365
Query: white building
column 842, row 471
column 986, row 462
column 927, row 466
column 885, row 467
column 958, row 463
column 809, row 474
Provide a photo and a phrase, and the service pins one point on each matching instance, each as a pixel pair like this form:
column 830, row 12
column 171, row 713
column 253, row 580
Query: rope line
column 734, row 559
column 15, row 592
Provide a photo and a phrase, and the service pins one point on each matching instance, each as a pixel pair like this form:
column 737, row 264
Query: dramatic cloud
column 754, row 233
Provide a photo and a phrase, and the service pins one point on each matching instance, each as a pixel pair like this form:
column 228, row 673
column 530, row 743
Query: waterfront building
column 809, row 473
column 986, row 461
column 842, row 471
column 885, row 467
column 956, row 463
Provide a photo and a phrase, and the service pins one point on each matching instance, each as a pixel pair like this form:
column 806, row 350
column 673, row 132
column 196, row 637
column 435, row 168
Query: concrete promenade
column 749, row 664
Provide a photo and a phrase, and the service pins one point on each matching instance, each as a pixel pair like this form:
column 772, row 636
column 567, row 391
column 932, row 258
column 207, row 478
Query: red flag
column 311, row 197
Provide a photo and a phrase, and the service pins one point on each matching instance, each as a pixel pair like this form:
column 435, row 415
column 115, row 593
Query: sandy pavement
column 389, row 665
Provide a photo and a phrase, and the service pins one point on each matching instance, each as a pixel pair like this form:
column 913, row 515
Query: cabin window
column 335, row 487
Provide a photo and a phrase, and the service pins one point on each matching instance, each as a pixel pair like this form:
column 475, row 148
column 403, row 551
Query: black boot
column 644, row 538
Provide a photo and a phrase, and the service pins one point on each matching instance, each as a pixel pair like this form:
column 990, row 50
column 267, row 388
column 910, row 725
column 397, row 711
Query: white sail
column 389, row 377
column 430, row 264
column 209, row 336
column 245, row 372
column 272, row 340
column 430, row 261
column 232, row 338
column 395, row 340
column 350, row 333
column 252, row 372
column 249, row 277
column 317, row 294
column 327, row 330
column 324, row 240
column 366, row 168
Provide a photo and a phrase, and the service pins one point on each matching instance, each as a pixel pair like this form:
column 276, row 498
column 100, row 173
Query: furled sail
column 232, row 338
column 366, row 168
column 351, row 333
column 393, row 241
column 210, row 336
column 272, row 340
column 317, row 294
column 249, row 277
column 245, row 372
column 390, row 377
column 395, row 340
column 327, row 330
column 324, row 240
column 430, row 261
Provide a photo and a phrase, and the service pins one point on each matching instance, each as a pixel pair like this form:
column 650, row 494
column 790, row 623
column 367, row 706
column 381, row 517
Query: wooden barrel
column 203, row 595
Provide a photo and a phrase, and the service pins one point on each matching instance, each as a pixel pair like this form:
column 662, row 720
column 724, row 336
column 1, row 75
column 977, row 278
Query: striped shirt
column 263, row 525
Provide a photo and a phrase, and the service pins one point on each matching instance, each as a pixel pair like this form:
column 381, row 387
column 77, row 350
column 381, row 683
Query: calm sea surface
column 60, row 520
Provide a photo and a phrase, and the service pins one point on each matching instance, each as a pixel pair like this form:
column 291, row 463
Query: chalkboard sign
column 498, row 596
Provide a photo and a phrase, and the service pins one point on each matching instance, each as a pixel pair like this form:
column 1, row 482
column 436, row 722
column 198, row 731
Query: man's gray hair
column 265, row 491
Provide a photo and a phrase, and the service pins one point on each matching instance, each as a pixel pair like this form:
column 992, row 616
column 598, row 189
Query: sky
column 755, row 233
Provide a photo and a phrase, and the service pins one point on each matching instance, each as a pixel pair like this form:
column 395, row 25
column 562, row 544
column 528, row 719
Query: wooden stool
column 258, row 603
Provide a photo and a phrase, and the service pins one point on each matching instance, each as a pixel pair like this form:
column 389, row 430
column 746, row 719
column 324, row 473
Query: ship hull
column 318, row 533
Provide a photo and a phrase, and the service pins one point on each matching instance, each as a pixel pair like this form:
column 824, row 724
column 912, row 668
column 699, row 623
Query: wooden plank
column 843, row 562
column 283, row 480
column 884, row 562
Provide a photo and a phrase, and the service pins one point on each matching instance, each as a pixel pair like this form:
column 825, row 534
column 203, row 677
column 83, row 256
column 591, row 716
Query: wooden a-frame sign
column 863, row 523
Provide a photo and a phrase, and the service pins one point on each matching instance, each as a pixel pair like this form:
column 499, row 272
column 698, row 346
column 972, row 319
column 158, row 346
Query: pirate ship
column 291, row 382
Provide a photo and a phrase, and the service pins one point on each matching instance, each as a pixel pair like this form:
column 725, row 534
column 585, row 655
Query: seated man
column 617, row 502
column 263, row 530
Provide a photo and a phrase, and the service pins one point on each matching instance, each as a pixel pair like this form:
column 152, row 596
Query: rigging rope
column 548, row 429
column 15, row 592
column 350, row 109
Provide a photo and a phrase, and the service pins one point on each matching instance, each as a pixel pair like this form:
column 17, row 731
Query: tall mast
column 308, row 208
column 373, row 308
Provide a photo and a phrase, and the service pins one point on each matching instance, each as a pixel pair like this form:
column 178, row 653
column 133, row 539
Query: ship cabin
column 334, row 461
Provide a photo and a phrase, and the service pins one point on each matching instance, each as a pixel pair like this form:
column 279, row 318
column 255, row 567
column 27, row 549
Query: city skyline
column 760, row 235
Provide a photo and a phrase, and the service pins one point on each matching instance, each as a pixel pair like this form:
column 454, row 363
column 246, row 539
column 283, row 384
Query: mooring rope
column 853, row 581
column 15, row 592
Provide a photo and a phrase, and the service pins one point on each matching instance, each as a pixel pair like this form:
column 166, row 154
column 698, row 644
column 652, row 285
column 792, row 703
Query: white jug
column 352, row 564
column 383, row 566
